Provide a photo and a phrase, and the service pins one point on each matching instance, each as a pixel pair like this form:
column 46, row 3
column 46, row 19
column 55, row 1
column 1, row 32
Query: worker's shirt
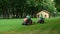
column 41, row 18
column 28, row 17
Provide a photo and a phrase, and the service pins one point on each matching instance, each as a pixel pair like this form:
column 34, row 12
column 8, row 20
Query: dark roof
column 45, row 11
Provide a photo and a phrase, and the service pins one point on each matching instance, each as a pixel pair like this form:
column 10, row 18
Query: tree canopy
column 57, row 5
column 24, row 7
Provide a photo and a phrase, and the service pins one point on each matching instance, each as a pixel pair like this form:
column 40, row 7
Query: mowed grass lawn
column 13, row 26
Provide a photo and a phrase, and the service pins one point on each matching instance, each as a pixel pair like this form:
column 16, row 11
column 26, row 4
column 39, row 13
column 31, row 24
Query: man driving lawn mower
column 27, row 20
column 41, row 19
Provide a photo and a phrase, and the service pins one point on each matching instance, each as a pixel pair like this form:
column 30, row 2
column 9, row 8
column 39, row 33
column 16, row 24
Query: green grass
column 13, row 26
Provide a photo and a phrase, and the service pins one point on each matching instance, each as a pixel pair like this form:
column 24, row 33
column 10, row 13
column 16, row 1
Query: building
column 44, row 13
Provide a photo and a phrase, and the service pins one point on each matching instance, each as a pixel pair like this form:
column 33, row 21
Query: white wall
column 43, row 13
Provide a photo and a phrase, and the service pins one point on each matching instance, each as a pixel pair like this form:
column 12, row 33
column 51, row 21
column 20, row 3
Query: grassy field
column 13, row 26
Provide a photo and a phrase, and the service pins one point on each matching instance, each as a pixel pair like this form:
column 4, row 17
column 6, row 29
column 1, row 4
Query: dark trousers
column 28, row 22
column 41, row 21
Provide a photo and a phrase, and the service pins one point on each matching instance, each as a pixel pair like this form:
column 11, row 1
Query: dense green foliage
column 57, row 4
column 24, row 7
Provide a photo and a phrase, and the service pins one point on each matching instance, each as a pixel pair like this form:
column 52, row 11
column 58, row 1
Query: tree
column 23, row 7
column 57, row 5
